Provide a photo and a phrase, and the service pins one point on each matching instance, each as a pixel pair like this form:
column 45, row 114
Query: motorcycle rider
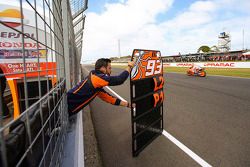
column 195, row 68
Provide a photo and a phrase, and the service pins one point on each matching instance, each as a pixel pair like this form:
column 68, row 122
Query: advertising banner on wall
column 210, row 64
column 18, row 42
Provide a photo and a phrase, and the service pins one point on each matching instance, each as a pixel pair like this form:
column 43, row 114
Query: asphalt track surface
column 211, row 116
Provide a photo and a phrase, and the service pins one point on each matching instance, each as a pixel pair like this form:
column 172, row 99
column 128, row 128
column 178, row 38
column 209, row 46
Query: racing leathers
column 195, row 68
column 84, row 92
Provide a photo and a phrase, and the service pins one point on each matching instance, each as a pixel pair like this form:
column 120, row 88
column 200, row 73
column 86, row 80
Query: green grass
column 119, row 66
column 236, row 72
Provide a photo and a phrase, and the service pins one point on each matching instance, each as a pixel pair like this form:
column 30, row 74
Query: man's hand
column 123, row 103
column 127, row 104
column 131, row 64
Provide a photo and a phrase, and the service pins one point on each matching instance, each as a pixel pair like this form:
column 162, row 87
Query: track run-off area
column 206, row 123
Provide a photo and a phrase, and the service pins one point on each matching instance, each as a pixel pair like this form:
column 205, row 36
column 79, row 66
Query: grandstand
column 239, row 55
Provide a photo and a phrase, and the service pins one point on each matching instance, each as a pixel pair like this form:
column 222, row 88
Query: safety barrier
column 40, row 47
column 35, row 133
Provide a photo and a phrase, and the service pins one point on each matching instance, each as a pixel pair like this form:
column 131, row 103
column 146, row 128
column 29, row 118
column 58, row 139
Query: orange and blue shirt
column 85, row 91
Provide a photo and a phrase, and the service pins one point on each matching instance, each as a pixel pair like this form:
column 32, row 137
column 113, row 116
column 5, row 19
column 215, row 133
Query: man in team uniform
column 84, row 92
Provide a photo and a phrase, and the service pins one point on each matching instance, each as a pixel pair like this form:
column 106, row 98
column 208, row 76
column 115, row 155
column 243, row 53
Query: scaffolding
column 224, row 42
column 40, row 52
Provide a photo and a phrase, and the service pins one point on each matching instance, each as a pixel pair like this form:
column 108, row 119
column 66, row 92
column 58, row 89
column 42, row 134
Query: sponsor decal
column 31, row 68
column 13, row 45
column 219, row 64
column 13, row 54
column 18, row 67
column 12, row 17
column 184, row 64
column 16, row 35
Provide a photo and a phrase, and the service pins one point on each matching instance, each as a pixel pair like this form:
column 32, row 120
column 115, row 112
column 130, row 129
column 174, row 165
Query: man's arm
column 118, row 80
column 105, row 96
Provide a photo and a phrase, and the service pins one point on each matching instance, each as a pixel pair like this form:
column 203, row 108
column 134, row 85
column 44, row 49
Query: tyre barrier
column 27, row 150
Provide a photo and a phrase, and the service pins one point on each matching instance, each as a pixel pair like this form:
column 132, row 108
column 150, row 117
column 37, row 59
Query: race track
column 208, row 115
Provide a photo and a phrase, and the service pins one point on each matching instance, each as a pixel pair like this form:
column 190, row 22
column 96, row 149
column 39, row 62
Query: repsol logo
column 15, row 35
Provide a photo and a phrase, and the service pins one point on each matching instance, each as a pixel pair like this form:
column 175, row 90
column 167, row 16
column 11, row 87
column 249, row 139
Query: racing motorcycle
column 200, row 73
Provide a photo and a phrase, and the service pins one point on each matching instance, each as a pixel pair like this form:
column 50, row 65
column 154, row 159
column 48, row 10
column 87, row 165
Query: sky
column 171, row 26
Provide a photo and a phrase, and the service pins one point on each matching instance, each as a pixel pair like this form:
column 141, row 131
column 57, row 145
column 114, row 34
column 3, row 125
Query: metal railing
column 40, row 36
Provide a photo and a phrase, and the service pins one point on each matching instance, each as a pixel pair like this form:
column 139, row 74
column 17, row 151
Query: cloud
column 198, row 13
column 203, row 6
column 201, row 25
column 135, row 24
column 125, row 21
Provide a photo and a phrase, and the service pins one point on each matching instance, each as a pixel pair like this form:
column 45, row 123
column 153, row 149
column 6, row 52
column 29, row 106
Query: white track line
column 184, row 148
column 194, row 156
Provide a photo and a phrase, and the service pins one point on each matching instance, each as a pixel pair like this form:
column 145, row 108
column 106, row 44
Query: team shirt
column 84, row 92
